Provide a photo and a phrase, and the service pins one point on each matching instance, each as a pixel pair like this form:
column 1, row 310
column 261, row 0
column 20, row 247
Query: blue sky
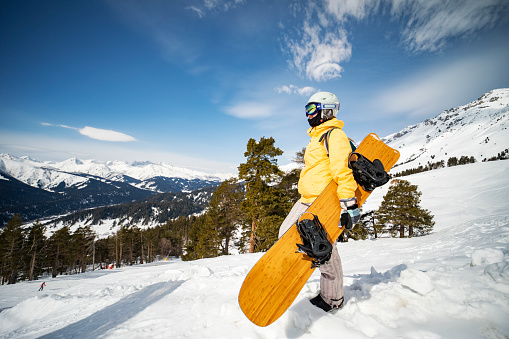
column 188, row 82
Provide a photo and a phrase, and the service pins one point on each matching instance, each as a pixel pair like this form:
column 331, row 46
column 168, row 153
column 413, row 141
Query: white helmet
column 325, row 102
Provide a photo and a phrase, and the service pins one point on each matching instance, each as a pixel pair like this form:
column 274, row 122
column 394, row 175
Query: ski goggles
column 315, row 107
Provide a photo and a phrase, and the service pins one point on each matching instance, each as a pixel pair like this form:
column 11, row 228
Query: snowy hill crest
column 478, row 129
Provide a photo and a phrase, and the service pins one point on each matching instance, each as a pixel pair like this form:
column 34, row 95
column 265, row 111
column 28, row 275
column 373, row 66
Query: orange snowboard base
column 278, row 277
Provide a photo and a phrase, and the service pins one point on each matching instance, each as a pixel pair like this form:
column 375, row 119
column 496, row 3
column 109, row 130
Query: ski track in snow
column 453, row 283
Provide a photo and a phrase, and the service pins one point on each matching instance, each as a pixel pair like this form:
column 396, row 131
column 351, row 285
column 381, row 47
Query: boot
column 320, row 303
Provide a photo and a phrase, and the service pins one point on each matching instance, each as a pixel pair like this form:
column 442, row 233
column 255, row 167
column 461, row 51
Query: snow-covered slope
column 453, row 283
column 479, row 129
column 37, row 174
column 106, row 221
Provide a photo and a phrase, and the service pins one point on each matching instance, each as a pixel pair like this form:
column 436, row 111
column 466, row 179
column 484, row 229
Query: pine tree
column 34, row 249
column 290, row 181
column 225, row 213
column 201, row 242
column 59, row 254
column 400, row 211
column 452, row 161
column 11, row 250
column 265, row 203
column 82, row 239
column 299, row 156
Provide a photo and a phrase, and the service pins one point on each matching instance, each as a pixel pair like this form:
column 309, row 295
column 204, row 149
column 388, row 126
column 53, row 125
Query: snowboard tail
column 279, row 275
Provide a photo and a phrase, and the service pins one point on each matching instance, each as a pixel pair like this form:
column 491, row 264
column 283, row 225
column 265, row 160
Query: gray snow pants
column 331, row 279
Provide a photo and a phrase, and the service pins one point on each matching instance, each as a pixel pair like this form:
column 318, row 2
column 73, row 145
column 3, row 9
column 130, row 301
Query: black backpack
column 368, row 174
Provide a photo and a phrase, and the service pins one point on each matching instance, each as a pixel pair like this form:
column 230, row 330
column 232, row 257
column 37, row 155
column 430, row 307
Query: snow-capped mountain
column 71, row 172
column 38, row 189
column 478, row 129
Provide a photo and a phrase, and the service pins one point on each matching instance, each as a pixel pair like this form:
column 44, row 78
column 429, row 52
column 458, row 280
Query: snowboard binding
column 369, row 175
column 315, row 243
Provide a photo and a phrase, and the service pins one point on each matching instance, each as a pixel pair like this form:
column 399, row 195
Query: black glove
column 350, row 214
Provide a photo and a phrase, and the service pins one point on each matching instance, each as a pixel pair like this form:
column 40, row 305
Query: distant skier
column 42, row 286
column 319, row 170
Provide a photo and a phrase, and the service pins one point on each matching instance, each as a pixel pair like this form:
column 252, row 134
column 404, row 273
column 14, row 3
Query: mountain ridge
column 478, row 129
column 48, row 174
column 37, row 189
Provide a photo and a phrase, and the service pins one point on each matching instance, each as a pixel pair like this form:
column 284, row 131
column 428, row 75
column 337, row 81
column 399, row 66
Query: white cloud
column 63, row 126
column 98, row 133
column 317, row 52
column 197, row 10
column 250, row 110
column 430, row 23
column 55, row 148
column 292, row 89
column 358, row 9
column 105, row 134
column 214, row 5
column 285, row 89
column 322, row 46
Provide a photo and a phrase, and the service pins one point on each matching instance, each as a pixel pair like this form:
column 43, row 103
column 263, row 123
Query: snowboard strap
column 314, row 241
column 369, row 175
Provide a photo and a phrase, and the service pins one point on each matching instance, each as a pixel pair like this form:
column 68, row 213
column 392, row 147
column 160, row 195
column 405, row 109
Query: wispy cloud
column 63, row 126
column 292, row 89
column 98, row 133
column 431, row 23
column 200, row 12
column 356, row 9
column 105, row 134
column 57, row 148
column 250, row 110
column 207, row 6
column 317, row 53
column 322, row 46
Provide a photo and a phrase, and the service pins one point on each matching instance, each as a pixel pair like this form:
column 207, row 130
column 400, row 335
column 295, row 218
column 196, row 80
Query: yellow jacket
column 319, row 169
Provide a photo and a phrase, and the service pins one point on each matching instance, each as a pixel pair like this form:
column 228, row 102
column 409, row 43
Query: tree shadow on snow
column 111, row 316
column 304, row 314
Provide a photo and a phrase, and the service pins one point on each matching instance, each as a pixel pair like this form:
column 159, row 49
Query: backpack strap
column 325, row 138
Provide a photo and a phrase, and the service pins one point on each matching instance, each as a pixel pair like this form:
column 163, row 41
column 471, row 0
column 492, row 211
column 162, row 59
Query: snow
column 478, row 129
column 36, row 174
column 453, row 283
column 478, row 189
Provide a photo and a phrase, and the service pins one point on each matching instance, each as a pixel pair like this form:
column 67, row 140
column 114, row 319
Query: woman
column 319, row 170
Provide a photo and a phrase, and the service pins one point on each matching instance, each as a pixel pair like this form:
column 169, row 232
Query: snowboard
column 277, row 278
